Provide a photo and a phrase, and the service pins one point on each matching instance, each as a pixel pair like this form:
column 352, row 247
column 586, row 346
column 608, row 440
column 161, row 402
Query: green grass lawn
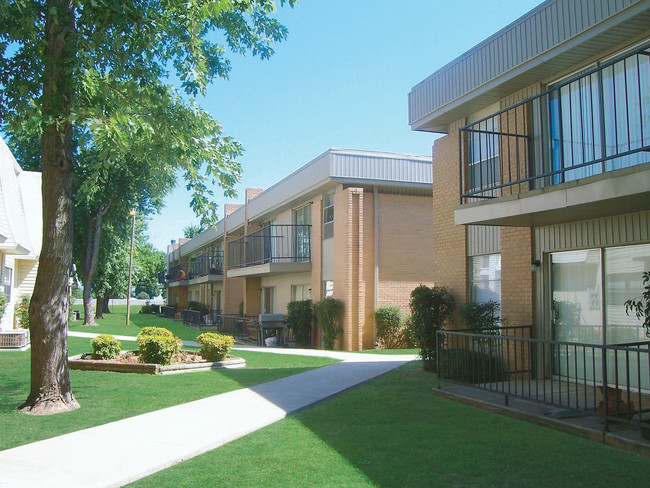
column 114, row 323
column 105, row 397
column 391, row 432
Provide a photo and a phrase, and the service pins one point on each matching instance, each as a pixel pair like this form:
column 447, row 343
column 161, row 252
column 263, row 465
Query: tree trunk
column 99, row 307
column 90, row 262
column 49, row 308
column 107, row 297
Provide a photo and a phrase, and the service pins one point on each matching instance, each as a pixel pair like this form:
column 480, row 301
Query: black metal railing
column 612, row 381
column 203, row 319
column 595, row 122
column 209, row 263
column 177, row 273
column 271, row 244
column 169, row 312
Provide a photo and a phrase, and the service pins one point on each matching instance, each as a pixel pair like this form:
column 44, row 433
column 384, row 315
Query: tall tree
column 193, row 230
column 51, row 54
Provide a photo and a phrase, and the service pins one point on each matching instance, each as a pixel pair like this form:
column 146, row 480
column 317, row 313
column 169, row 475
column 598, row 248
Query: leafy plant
column 157, row 345
column 105, row 346
column 149, row 308
column 470, row 366
column 3, row 303
column 641, row 305
column 328, row 315
column 481, row 317
column 215, row 347
column 22, row 311
column 388, row 321
column 430, row 309
column 300, row 317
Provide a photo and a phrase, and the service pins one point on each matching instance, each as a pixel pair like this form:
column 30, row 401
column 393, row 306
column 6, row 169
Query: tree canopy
column 91, row 80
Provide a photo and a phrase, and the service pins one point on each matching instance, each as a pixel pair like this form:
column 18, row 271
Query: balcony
column 577, row 150
column 177, row 275
column 206, row 267
column 270, row 250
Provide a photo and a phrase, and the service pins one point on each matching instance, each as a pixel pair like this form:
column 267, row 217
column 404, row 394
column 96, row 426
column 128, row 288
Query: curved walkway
column 120, row 452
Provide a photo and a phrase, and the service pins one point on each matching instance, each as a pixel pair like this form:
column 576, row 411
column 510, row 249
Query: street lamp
column 128, row 294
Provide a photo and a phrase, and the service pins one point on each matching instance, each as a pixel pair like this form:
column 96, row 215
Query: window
column 485, row 278
column 328, row 289
column 328, row 216
column 302, row 234
column 300, row 292
column 598, row 121
column 587, row 287
column 5, row 281
column 483, row 148
column 267, row 297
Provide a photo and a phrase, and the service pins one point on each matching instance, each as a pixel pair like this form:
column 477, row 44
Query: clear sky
column 340, row 80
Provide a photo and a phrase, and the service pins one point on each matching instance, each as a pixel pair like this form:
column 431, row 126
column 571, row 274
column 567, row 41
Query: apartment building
column 355, row 225
column 541, row 183
column 20, row 240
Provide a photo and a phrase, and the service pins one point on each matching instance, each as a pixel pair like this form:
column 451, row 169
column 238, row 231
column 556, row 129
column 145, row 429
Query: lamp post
column 128, row 294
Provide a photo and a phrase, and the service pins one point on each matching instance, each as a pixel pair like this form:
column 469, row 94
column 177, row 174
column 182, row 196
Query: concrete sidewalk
column 120, row 452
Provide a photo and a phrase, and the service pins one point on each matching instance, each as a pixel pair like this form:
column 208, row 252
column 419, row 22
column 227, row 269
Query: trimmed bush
column 388, row 321
column 300, row 317
column 198, row 306
column 105, row 346
column 149, row 308
column 328, row 315
column 471, row 365
column 143, row 295
column 157, row 345
column 215, row 347
column 430, row 308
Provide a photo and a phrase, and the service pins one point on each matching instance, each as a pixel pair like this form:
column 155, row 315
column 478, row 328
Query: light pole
column 128, row 294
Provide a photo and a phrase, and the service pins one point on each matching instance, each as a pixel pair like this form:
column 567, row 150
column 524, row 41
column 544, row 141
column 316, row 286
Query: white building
column 21, row 225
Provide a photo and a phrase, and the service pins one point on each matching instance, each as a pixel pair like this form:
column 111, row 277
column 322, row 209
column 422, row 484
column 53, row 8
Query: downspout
column 375, row 200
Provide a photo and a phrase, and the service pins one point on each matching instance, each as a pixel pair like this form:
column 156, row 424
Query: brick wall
column 405, row 247
column 516, row 276
column 449, row 247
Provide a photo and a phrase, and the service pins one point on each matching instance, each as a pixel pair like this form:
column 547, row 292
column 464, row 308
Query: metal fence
column 595, row 122
column 271, row 244
column 612, row 381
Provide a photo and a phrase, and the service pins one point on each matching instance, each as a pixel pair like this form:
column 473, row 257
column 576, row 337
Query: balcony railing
column 209, row 263
column 595, row 122
column 612, row 381
column 271, row 244
column 177, row 273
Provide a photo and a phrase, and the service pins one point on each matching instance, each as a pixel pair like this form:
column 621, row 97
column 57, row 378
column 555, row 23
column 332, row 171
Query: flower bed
column 128, row 362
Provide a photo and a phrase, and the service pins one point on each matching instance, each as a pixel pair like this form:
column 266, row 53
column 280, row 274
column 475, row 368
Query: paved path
column 120, row 452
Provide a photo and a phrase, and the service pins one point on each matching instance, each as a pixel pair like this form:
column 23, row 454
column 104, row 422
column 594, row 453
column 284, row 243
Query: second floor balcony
column 271, row 249
column 204, row 267
column 582, row 144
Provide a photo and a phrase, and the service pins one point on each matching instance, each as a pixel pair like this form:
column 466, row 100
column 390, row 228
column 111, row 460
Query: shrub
column 215, row 347
column 481, row 317
column 430, row 308
column 641, row 304
column 388, row 321
column 328, row 315
column 405, row 335
column 471, row 365
column 300, row 317
column 148, row 308
column 105, row 346
column 3, row 303
column 198, row 306
column 155, row 331
column 157, row 345
column 22, row 311
column 143, row 295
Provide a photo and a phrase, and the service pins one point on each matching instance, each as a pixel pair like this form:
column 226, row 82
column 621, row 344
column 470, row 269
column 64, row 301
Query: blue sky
column 341, row 79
